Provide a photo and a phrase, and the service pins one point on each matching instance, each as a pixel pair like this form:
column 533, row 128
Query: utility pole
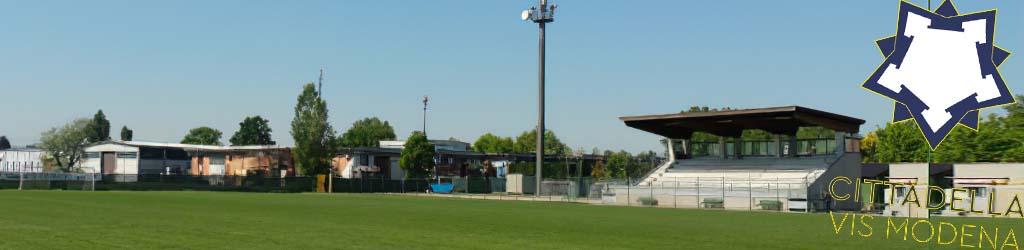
column 542, row 15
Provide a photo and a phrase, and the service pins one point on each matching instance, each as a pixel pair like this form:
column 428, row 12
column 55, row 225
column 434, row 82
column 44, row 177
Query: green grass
column 216, row 220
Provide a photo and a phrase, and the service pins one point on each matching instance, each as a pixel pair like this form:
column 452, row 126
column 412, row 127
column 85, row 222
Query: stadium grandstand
column 784, row 173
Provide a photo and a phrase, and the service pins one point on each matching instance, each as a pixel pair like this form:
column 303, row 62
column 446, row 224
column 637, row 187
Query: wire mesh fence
column 702, row 193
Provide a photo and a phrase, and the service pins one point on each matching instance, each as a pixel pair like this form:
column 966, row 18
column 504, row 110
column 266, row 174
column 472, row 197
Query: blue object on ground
column 442, row 188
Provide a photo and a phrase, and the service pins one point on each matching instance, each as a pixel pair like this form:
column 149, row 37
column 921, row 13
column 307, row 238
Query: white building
column 131, row 158
column 977, row 183
column 21, row 160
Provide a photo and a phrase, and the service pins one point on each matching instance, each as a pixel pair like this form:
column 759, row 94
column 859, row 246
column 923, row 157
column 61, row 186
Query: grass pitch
column 216, row 220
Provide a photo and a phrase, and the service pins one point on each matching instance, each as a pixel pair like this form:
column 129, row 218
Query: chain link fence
column 702, row 193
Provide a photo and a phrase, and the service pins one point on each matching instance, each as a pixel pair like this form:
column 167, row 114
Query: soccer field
column 225, row 220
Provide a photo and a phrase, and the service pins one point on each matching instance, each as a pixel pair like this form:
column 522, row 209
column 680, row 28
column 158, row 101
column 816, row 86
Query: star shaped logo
column 941, row 68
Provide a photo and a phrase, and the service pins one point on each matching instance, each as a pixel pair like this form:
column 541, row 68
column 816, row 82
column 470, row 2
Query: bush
column 648, row 201
column 714, row 203
column 773, row 205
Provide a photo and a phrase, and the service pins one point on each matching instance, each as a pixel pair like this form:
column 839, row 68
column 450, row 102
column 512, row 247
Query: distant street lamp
column 425, row 99
column 542, row 15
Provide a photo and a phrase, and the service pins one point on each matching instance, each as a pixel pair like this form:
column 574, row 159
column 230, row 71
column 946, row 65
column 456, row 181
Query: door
column 384, row 163
column 109, row 162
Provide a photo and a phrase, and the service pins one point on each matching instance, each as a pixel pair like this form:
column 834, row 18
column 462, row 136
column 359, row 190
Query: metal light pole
column 542, row 15
column 425, row 99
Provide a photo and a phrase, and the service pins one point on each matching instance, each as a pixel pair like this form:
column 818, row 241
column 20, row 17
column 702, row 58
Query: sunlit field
column 227, row 220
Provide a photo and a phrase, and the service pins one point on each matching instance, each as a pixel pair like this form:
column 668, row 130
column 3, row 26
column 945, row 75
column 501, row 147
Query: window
column 901, row 191
column 127, row 155
column 364, row 160
column 92, row 155
column 979, row 191
column 217, row 159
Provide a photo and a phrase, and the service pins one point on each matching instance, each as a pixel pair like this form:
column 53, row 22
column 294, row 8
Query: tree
column 417, row 156
column 999, row 139
column 619, row 164
column 253, row 130
column 900, row 142
column 599, row 171
column 489, row 143
column 527, row 143
column 203, row 136
column 868, row 146
column 315, row 141
column 368, row 132
column 66, row 145
column 99, row 128
column 4, row 143
column 1013, row 126
column 126, row 134
column 643, row 163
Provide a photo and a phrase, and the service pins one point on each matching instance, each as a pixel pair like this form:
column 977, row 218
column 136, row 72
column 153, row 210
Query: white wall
column 21, row 161
column 1013, row 171
column 124, row 165
column 973, row 175
column 347, row 172
column 110, row 147
column 908, row 171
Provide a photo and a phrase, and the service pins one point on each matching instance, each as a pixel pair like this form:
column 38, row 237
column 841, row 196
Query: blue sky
column 163, row 67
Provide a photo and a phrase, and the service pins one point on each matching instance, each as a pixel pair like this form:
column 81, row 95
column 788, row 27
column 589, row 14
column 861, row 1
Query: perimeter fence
column 703, row 193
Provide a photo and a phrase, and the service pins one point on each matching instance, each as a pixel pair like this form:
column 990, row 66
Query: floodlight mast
column 542, row 15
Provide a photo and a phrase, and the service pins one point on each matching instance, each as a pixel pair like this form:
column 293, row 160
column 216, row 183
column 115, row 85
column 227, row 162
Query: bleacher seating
column 761, row 171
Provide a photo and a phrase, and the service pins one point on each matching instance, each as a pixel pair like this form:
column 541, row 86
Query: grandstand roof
column 731, row 123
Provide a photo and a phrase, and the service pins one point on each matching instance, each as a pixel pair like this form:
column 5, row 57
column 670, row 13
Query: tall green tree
column 203, row 136
column 901, row 142
column 619, row 164
column 527, row 143
column 315, row 142
column 99, row 128
column 994, row 142
column 126, row 134
column 999, row 139
column 1014, row 128
column 65, row 145
column 253, row 130
column 368, row 132
column 4, row 143
column 868, row 146
column 418, row 156
column 599, row 170
column 489, row 143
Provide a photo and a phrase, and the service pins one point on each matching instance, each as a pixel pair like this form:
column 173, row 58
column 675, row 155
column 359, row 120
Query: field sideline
column 226, row 220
